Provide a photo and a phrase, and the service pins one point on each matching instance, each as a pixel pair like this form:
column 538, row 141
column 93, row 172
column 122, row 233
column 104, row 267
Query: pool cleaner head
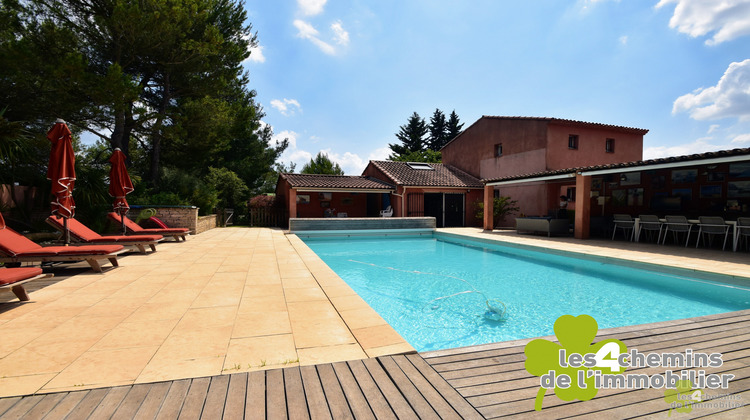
column 495, row 310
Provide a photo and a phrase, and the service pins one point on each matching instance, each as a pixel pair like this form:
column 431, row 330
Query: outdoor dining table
column 732, row 223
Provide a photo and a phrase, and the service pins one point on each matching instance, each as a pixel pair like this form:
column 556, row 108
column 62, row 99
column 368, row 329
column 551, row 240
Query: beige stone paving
column 226, row 301
column 696, row 259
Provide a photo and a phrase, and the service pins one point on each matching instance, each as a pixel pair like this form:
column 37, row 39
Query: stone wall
column 206, row 223
column 179, row 217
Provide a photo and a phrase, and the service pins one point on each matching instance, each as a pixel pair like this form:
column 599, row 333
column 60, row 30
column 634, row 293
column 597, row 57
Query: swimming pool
column 432, row 289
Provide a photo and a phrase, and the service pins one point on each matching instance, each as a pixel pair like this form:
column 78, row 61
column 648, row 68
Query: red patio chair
column 14, row 278
column 16, row 248
column 81, row 233
column 134, row 228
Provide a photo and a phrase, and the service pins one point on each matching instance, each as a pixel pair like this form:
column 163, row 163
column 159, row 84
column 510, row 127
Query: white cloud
column 311, row 7
column 286, row 106
column 341, row 36
column 624, row 40
column 742, row 140
column 712, row 128
column 700, row 145
column 351, row 163
column 291, row 136
column 292, row 154
column 307, row 31
column 726, row 19
column 729, row 98
column 256, row 55
column 380, row 153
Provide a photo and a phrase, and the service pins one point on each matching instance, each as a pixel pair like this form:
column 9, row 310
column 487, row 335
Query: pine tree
column 453, row 126
column 438, row 131
column 322, row 165
column 411, row 136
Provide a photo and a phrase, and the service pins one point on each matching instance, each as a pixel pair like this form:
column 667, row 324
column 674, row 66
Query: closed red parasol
column 62, row 172
column 120, row 185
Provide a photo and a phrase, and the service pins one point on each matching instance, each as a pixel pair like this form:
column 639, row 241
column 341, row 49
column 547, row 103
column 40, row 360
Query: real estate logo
column 576, row 369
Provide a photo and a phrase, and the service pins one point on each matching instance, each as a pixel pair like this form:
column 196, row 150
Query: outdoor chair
column 16, row 248
column 650, row 224
column 134, row 228
column 743, row 231
column 388, row 212
column 14, row 278
column 81, row 233
column 712, row 226
column 677, row 225
column 625, row 223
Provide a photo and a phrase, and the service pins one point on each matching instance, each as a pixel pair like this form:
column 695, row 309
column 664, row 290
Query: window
column 572, row 141
column 420, row 166
column 498, row 150
column 609, row 145
column 571, row 193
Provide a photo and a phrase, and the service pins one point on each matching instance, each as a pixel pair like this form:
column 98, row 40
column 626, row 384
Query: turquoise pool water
column 433, row 289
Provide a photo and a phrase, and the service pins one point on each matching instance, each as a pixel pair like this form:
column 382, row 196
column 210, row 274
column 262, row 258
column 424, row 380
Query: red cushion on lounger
column 133, row 238
column 84, row 234
column 86, row 249
column 134, row 227
column 158, row 222
column 156, row 231
column 76, row 228
column 13, row 243
column 12, row 275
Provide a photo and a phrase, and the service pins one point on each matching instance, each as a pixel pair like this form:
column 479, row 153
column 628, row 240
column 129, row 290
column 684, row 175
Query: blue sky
column 342, row 76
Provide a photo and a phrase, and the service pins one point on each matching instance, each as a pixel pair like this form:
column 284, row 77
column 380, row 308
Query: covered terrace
column 314, row 195
column 707, row 184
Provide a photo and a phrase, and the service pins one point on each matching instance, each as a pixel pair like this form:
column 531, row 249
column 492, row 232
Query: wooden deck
column 390, row 387
column 487, row 381
column 493, row 378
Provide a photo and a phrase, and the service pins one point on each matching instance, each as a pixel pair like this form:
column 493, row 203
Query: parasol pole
column 67, row 231
column 122, row 220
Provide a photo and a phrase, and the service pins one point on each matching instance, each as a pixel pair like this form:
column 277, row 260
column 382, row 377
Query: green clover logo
column 682, row 396
column 575, row 335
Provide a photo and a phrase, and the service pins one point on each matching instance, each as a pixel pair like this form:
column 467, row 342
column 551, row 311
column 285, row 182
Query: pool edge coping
column 737, row 280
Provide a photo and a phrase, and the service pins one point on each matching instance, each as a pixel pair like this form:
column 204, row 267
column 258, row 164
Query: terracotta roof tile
column 440, row 176
column 335, row 182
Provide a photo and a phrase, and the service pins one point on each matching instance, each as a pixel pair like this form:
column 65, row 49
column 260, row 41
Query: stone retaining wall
column 206, row 223
column 180, row 217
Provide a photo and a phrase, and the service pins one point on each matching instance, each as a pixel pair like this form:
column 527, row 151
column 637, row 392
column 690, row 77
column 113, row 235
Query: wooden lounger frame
column 92, row 259
column 140, row 245
column 18, row 289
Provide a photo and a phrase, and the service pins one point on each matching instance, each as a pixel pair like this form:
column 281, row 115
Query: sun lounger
column 16, row 248
column 14, row 278
column 81, row 233
column 134, row 228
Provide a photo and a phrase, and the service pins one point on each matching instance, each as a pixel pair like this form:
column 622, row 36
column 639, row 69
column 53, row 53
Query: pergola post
column 489, row 210
column 583, row 206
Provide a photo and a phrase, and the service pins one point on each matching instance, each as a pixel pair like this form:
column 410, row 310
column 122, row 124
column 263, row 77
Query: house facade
column 410, row 189
column 706, row 184
column 495, row 147
column 431, row 189
column 314, row 195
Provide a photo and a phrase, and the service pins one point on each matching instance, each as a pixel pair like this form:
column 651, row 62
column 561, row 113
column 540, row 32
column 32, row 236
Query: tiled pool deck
column 227, row 301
